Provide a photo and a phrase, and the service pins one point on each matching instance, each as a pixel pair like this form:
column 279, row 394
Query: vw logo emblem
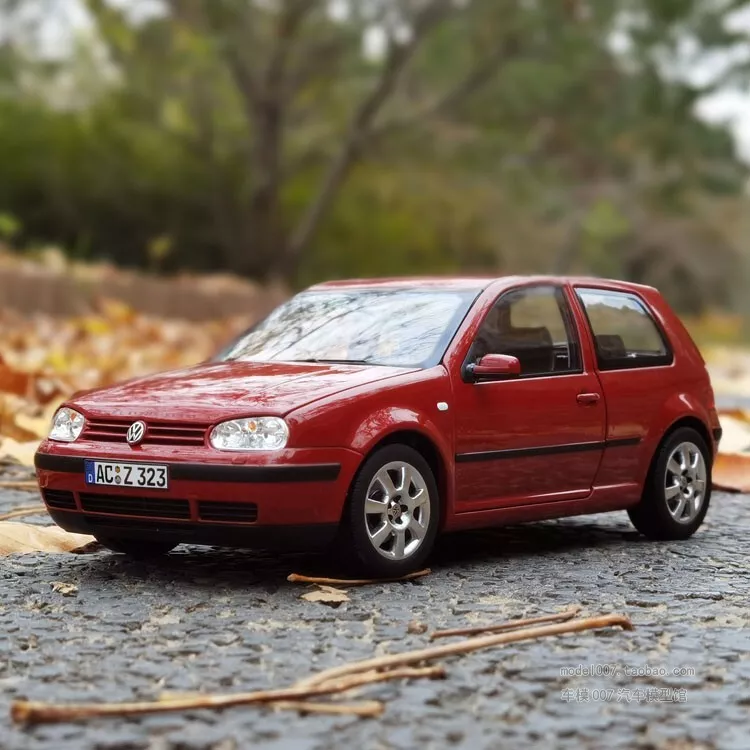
column 136, row 433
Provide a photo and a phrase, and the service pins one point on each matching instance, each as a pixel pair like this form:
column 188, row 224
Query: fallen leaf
column 735, row 432
column 731, row 472
column 66, row 589
column 12, row 415
column 50, row 390
column 13, row 380
column 49, row 359
column 321, row 580
column 23, row 538
column 23, row 453
column 326, row 595
column 35, row 427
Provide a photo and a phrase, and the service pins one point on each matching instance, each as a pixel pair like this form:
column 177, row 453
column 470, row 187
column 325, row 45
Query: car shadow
column 215, row 566
column 530, row 540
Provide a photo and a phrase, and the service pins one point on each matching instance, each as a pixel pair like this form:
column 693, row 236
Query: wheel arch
column 681, row 409
column 648, row 516
column 685, row 421
column 688, row 421
column 428, row 449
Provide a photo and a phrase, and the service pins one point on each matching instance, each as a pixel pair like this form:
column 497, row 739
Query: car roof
column 410, row 282
column 477, row 283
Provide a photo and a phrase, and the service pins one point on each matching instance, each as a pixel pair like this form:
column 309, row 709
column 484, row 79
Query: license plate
column 115, row 474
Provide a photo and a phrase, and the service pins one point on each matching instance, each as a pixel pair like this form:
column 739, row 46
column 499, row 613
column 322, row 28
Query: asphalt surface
column 225, row 621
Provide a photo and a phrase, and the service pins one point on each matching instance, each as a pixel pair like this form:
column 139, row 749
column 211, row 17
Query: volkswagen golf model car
column 374, row 415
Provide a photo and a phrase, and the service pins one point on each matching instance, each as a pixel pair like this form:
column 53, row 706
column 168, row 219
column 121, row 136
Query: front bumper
column 292, row 502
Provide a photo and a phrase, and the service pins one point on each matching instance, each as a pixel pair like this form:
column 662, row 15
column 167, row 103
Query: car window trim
column 568, row 321
column 636, row 363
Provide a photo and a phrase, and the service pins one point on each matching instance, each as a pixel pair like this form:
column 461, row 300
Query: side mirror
column 494, row 367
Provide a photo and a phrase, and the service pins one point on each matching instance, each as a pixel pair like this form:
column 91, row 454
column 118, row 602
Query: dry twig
column 328, row 682
column 511, row 625
column 29, row 712
column 19, row 484
column 363, row 709
column 29, row 510
column 432, row 653
column 297, row 578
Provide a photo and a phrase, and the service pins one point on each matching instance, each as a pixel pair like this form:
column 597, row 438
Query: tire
column 371, row 540
column 668, row 507
column 142, row 549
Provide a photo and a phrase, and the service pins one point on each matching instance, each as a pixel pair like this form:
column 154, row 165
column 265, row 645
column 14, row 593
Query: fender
column 383, row 422
column 676, row 407
column 380, row 424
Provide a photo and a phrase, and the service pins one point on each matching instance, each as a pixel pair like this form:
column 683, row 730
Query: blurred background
column 171, row 169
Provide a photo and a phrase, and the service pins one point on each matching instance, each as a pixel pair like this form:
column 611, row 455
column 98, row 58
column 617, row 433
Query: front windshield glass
column 405, row 327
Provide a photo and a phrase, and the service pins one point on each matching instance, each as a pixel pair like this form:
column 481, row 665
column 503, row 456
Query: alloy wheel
column 685, row 482
column 397, row 510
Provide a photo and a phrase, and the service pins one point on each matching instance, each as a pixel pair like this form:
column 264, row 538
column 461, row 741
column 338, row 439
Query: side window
column 535, row 326
column 624, row 332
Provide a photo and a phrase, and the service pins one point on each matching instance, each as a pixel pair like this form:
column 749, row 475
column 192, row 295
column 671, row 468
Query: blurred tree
column 311, row 99
column 476, row 134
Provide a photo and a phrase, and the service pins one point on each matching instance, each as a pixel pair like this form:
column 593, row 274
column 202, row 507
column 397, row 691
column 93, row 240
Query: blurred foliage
column 9, row 227
column 715, row 329
column 486, row 135
column 44, row 360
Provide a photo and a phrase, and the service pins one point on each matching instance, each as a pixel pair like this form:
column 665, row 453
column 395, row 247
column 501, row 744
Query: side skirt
column 600, row 500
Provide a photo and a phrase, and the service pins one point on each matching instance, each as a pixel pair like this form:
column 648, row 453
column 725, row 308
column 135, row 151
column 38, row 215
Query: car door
column 537, row 437
column 635, row 363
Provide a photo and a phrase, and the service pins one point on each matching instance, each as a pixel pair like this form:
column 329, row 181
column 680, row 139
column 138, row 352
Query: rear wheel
column 393, row 513
column 678, row 488
column 139, row 548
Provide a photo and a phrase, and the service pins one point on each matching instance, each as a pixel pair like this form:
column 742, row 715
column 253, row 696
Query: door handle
column 588, row 399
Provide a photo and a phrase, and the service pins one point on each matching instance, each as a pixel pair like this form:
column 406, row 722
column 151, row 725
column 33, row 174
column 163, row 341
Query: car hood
column 212, row 391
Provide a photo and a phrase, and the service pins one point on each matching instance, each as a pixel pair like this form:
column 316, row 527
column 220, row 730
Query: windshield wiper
column 324, row 360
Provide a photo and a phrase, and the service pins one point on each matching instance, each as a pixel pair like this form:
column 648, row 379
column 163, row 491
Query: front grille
column 157, row 432
column 60, row 499
column 145, row 507
column 229, row 512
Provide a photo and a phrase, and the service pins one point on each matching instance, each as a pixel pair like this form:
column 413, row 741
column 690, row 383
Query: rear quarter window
column 625, row 333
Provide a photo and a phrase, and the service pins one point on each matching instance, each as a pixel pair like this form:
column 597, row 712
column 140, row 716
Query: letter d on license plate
column 115, row 474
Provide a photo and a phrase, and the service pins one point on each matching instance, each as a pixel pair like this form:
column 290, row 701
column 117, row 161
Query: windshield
column 406, row 327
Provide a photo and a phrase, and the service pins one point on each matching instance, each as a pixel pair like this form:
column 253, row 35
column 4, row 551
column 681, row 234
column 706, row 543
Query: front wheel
column 143, row 549
column 391, row 519
column 678, row 488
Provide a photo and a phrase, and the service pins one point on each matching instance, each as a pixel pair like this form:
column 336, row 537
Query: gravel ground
column 214, row 620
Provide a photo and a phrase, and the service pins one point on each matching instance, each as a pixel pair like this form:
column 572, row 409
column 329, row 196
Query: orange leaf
column 13, row 381
column 731, row 472
column 23, row 538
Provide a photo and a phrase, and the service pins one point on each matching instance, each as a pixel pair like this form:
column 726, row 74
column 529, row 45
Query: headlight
column 67, row 425
column 252, row 434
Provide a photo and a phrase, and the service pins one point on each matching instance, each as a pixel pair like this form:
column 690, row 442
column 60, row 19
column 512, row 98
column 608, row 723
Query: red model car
column 378, row 414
